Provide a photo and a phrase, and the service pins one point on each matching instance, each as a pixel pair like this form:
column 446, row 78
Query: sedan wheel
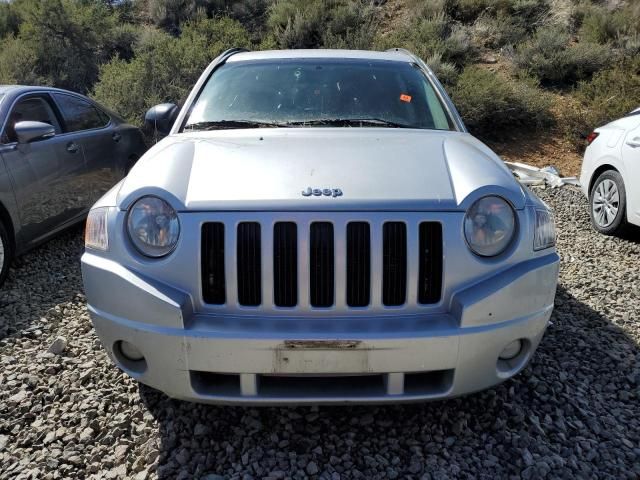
column 608, row 203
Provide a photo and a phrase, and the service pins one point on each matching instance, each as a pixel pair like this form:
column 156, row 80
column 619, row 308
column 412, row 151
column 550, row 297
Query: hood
column 320, row 169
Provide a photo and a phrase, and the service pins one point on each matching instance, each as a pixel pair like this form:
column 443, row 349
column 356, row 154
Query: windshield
column 318, row 92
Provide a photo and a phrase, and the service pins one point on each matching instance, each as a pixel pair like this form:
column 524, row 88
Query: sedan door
column 93, row 130
column 631, row 158
column 41, row 171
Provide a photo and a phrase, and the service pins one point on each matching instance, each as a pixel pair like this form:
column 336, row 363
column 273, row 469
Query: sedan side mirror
column 159, row 119
column 29, row 131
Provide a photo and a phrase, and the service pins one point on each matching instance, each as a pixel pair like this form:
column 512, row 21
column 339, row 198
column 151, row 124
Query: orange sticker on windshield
column 405, row 98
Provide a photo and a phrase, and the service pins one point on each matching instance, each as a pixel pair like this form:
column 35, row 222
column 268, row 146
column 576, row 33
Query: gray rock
column 58, row 346
column 312, row 468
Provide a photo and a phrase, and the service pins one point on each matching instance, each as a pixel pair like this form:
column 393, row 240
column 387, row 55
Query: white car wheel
column 608, row 203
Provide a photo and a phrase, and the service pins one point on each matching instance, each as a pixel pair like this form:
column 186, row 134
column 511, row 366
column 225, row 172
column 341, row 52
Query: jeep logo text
column 318, row 192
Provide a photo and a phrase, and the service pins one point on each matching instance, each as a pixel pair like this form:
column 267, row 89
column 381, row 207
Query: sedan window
column 80, row 114
column 35, row 109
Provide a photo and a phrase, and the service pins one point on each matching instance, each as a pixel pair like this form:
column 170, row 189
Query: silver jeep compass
column 318, row 227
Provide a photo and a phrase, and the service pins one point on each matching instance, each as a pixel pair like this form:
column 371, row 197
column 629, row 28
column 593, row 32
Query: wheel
column 608, row 204
column 6, row 253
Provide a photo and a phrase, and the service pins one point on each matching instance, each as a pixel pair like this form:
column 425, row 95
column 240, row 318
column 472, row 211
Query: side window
column 35, row 109
column 79, row 114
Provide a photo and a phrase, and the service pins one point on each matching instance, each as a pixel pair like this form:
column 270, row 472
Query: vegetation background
column 530, row 77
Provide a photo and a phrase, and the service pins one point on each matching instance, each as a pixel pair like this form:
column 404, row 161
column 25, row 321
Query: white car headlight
column 545, row 233
column 96, row 235
column 153, row 226
column 489, row 226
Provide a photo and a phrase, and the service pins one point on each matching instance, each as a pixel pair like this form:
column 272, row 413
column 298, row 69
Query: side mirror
column 29, row 131
column 159, row 119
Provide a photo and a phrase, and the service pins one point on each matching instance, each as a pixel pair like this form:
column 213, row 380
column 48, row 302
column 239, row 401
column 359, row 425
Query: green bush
column 165, row 68
column 9, row 20
column 169, row 14
column 525, row 13
column 445, row 71
column 469, row 10
column 609, row 95
column 553, row 59
column 422, row 9
column 496, row 32
column 489, row 103
column 435, row 35
column 322, row 23
column 18, row 63
column 65, row 41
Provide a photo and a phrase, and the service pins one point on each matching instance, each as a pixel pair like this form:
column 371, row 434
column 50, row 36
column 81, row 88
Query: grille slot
column 249, row 264
column 358, row 264
column 213, row 279
column 321, row 264
column 430, row 263
column 285, row 264
column 394, row 264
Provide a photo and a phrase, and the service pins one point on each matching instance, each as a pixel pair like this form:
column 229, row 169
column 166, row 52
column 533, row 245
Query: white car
column 611, row 174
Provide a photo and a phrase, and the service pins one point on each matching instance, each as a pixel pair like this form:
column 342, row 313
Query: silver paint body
column 258, row 175
column 616, row 148
column 49, row 185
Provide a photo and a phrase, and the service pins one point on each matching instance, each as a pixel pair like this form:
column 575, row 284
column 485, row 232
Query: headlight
column 545, row 233
column 95, row 234
column 489, row 226
column 153, row 226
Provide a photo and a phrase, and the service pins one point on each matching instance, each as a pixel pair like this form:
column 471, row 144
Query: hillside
column 530, row 77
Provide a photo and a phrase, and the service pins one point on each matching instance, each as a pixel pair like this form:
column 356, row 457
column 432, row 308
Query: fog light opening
column 130, row 351
column 129, row 357
column 511, row 351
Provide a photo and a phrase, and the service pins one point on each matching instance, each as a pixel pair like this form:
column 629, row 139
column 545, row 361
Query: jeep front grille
column 213, row 277
column 430, row 263
column 358, row 264
column 285, row 264
column 394, row 265
column 348, row 265
column 249, row 263
column 321, row 266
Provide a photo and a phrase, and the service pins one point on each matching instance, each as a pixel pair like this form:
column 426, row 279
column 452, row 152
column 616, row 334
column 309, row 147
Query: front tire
column 608, row 204
column 6, row 253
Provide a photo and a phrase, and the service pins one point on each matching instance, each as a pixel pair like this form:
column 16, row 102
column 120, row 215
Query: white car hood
column 268, row 169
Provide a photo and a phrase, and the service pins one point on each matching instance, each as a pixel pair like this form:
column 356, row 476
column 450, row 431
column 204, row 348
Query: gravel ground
column 574, row 412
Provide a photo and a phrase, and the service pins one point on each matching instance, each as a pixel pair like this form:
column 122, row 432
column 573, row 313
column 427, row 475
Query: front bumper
column 243, row 359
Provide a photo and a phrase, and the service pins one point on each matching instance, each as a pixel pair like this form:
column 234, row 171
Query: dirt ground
column 540, row 149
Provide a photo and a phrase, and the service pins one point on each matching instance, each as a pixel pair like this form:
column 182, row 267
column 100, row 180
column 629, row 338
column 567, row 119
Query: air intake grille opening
column 394, row 264
column 249, row 264
column 358, row 264
column 321, row 265
column 213, row 277
column 430, row 263
column 285, row 264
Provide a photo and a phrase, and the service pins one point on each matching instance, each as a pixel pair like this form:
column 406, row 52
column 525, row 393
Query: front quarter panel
column 476, row 171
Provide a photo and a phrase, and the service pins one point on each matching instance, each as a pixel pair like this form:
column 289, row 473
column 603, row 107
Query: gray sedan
column 59, row 153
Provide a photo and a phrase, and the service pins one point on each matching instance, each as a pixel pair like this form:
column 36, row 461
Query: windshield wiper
column 229, row 124
column 349, row 122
